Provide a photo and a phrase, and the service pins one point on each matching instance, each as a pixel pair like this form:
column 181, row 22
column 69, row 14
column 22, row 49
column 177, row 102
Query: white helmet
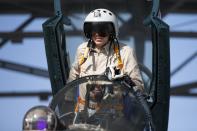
column 102, row 17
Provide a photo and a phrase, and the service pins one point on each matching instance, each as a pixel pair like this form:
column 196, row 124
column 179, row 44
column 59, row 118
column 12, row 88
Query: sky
column 31, row 52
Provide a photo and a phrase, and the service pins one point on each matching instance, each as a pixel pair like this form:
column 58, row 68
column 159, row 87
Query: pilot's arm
column 75, row 70
column 131, row 67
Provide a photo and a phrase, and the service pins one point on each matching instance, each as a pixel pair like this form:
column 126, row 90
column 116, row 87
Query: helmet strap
column 84, row 56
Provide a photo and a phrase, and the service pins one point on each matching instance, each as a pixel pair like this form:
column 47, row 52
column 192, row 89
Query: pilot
column 102, row 51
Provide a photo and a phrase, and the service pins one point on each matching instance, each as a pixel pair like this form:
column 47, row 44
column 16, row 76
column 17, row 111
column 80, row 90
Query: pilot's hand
column 113, row 72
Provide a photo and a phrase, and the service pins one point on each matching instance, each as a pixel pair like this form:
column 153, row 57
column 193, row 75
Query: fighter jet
column 147, row 113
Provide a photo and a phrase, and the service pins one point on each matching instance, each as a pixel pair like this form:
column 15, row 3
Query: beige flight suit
column 98, row 60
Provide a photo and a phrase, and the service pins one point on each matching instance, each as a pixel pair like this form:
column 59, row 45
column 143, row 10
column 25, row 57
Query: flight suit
column 99, row 59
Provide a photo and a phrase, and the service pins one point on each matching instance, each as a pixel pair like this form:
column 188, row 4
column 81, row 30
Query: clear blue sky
column 183, row 110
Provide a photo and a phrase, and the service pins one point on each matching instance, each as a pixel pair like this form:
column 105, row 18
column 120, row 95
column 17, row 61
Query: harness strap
column 84, row 56
column 79, row 101
column 117, row 52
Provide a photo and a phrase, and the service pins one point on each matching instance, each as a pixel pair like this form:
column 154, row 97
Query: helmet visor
column 102, row 28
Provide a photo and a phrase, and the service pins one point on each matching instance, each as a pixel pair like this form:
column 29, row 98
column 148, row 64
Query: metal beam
column 137, row 22
column 181, row 90
column 43, row 95
column 23, row 69
column 184, row 89
column 129, row 33
column 19, row 29
column 27, row 7
column 35, row 7
column 187, row 61
column 174, row 7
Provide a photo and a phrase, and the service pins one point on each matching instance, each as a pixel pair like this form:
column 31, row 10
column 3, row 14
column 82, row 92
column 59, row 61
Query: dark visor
column 102, row 28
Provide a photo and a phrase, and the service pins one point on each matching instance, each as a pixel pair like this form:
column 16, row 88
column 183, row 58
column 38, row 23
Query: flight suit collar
column 106, row 49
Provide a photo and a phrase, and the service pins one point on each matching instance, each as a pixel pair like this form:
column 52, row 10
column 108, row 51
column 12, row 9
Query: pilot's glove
column 112, row 72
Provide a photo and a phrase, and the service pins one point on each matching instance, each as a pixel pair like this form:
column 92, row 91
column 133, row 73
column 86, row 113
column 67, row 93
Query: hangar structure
column 132, row 27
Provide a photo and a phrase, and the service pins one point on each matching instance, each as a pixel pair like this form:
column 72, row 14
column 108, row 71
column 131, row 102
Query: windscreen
column 114, row 108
